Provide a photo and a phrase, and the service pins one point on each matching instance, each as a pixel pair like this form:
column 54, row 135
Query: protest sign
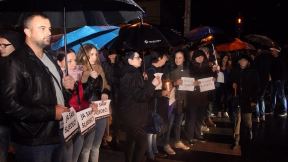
column 86, row 120
column 159, row 87
column 187, row 84
column 70, row 124
column 103, row 109
column 206, row 84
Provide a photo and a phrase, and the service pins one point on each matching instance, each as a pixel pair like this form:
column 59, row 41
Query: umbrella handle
column 86, row 56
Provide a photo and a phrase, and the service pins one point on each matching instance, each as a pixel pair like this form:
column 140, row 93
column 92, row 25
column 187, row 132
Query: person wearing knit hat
column 198, row 53
column 9, row 41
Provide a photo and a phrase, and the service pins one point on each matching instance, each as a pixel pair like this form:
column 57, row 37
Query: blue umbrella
column 201, row 32
column 99, row 36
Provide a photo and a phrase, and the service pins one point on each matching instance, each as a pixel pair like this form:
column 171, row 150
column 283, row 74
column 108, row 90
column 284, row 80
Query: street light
column 239, row 22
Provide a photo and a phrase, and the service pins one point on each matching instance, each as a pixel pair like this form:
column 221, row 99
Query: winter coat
column 247, row 81
column 135, row 94
column 28, row 96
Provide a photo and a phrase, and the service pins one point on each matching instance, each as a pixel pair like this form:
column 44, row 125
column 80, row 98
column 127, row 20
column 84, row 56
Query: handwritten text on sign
column 70, row 124
column 103, row 109
column 85, row 119
column 206, row 84
column 187, row 84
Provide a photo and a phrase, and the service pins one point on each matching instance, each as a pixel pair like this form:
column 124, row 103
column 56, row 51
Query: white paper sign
column 70, row 126
column 159, row 87
column 187, row 84
column 103, row 109
column 86, row 120
column 220, row 77
column 206, row 84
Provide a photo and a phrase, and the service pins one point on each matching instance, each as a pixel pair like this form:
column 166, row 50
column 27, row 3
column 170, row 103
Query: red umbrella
column 236, row 45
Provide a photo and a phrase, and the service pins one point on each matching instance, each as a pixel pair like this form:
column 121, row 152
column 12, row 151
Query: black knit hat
column 198, row 53
column 13, row 37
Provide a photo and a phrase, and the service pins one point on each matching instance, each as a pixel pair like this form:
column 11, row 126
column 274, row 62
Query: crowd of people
column 147, row 101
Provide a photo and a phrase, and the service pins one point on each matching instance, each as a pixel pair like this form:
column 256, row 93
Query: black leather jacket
column 28, row 97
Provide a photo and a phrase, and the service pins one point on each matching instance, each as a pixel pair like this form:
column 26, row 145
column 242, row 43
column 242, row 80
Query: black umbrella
column 74, row 13
column 207, row 34
column 173, row 36
column 261, row 41
column 78, row 13
column 139, row 36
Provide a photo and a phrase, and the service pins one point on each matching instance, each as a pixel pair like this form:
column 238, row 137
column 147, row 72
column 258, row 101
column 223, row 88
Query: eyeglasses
column 3, row 45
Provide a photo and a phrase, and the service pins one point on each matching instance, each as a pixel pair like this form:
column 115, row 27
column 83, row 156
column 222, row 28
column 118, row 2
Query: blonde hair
column 83, row 57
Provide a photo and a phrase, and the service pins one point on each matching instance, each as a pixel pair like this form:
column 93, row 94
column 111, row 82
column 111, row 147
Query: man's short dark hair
column 30, row 16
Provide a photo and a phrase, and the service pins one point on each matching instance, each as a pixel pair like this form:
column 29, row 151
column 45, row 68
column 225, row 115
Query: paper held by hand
column 187, row 84
column 206, row 84
column 159, row 87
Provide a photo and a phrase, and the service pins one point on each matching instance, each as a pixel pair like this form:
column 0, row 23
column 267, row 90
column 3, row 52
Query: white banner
column 187, row 84
column 103, row 109
column 159, row 87
column 206, row 84
column 86, row 120
column 70, row 126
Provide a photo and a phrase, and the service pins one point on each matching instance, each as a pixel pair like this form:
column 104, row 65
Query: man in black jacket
column 31, row 94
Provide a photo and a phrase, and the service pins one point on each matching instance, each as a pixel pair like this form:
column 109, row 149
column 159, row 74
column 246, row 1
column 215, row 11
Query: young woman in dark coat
column 198, row 101
column 135, row 93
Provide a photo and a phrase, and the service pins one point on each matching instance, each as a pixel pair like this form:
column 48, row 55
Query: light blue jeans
column 83, row 145
column 152, row 145
column 278, row 91
column 99, row 133
column 4, row 142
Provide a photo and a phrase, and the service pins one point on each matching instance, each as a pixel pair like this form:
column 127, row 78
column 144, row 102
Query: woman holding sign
column 98, row 90
column 79, row 101
column 176, row 115
column 198, row 99
column 135, row 93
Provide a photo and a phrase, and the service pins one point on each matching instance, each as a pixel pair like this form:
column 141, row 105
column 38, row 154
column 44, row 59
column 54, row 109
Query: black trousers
column 137, row 144
column 195, row 118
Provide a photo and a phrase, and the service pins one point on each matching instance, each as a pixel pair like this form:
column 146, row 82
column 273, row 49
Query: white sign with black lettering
column 70, row 126
column 86, row 120
column 103, row 109
column 206, row 84
column 187, row 84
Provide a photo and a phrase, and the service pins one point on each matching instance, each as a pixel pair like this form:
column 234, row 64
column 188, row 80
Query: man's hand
column 68, row 82
column 59, row 110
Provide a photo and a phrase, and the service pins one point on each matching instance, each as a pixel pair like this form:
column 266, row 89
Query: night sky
column 265, row 17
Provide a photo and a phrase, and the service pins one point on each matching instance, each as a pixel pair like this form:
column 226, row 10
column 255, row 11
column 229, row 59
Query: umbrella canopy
column 201, row 32
column 139, row 36
column 173, row 36
column 71, row 5
column 99, row 36
column 78, row 13
column 206, row 35
column 236, row 45
column 261, row 41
